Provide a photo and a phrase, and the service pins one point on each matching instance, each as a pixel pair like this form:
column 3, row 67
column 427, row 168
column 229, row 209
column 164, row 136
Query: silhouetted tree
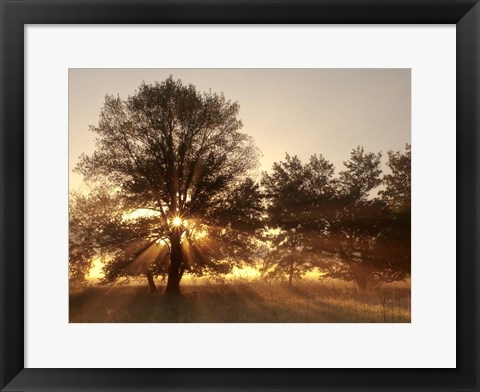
column 394, row 243
column 298, row 198
column 141, row 258
column 356, row 220
column 369, row 236
column 180, row 154
column 397, row 192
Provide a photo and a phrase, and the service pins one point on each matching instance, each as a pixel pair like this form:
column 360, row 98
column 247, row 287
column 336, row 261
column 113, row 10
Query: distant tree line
column 338, row 224
column 172, row 192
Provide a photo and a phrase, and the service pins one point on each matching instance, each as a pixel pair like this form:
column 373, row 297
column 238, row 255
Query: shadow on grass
column 244, row 302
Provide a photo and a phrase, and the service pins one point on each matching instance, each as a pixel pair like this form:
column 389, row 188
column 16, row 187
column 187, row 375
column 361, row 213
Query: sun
column 177, row 221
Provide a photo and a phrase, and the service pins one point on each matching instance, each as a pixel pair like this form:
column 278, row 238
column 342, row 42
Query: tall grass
column 243, row 301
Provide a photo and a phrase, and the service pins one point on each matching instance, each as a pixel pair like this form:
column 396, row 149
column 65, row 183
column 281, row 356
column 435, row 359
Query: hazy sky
column 299, row 111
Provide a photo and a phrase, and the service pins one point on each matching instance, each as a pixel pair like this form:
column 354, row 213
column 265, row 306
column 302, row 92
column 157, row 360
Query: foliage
column 178, row 153
column 369, row 238
column 172, row 191
column 99, row 230
column 394, row 245
column 398, row 183
column 297, row 193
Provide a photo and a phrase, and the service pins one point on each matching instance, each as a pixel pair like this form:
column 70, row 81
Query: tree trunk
column 290, row 276
column 174, row 274
column 151, row 282
column 362, row 282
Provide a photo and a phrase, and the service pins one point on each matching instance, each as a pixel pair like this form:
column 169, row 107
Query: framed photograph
column 252, row 232
column 239, row 195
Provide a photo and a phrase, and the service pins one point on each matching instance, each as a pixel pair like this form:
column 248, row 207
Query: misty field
column 241, row 301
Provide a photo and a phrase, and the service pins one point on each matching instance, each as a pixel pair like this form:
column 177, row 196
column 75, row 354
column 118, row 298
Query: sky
column 298, row 111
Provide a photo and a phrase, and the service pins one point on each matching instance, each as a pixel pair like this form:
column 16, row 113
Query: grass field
column 241, row 301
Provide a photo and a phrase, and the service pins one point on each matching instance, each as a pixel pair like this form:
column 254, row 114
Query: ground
column 243, row 301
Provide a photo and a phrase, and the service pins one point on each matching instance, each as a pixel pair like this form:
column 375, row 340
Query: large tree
column 178, row 153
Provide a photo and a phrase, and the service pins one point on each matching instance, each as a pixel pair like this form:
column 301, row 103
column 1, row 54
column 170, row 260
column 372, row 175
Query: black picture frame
column 15, row 14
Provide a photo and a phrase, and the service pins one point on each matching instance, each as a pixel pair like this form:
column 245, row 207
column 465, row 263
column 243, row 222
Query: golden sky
column 299, row 111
